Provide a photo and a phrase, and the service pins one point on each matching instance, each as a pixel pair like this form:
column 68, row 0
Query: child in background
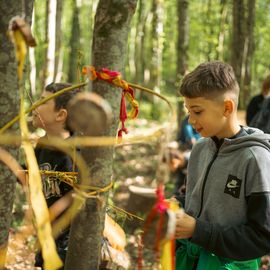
column 256, row 102
column 186, row 138
column 187, row 135
column 51, row 116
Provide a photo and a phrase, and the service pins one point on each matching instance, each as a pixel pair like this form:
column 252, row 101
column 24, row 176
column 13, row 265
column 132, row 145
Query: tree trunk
column 182, row 48
column 49, row 76
column 74, row 45
column 32, row 62
column 156, row 54
column 112, row 25
column 9, row 107
column 58, row 36
column 238, row 39
column 157, row 44
column 183, row 37
column 242, row 45
column 221, row 35
column 46, row 41
column 248, row 52
column 139, row 45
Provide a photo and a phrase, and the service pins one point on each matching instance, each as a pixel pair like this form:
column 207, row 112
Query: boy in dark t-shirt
column 51, row 116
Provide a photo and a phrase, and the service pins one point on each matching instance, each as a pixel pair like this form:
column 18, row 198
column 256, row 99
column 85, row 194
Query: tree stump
column 140, row 202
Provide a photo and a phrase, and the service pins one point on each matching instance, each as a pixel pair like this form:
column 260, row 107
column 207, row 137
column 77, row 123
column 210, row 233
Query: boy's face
column 45, row 115
column 207, row 116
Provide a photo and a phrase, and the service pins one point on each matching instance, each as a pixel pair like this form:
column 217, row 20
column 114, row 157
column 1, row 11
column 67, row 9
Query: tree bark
column 183, row 37
column 49, row 76
column 58, row 37
column 182, row 49
column 242, row 45
column 74, row 45
column 9, row 107
column 238, row 39
column 32, row 62
column 221, row 35
column 248, row 52
column 157, row 44
column 139, row 45
column 112, row 24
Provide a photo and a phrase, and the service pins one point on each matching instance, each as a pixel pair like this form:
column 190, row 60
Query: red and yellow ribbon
column 114, row 77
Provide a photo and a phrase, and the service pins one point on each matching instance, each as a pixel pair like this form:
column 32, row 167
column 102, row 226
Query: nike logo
column 232, row 184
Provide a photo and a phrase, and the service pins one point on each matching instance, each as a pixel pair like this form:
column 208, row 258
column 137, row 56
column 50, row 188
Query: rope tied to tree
column 114, row 77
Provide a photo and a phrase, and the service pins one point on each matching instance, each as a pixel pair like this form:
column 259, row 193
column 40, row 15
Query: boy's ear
column 61, row 115
column 228, row 107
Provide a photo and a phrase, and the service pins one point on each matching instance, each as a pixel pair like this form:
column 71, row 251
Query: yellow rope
column 71, row 179
column 40, row 102
column 128, row 214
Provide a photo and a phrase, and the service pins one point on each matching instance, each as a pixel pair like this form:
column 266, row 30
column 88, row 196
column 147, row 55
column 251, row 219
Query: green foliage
column 205, row 26
column 262, row 41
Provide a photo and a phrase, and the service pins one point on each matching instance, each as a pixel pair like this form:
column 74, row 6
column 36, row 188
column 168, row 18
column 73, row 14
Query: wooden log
column 88, row 114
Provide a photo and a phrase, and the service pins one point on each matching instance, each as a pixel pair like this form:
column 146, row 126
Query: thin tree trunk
column 238, row 38
column 58, row 35
column 157, row 41
column 183, row 37
column 242, row 45
column 209, row 30
column 46, row 41
column 139, row 45
column 112, row 25
column 182, row 48
column 248, row 52
column 221, row 35
column 9, row 107
column 74, row 45
column 51, row 42
column 32, row 61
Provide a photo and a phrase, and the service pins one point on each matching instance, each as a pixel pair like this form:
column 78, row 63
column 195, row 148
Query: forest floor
column 134, row 169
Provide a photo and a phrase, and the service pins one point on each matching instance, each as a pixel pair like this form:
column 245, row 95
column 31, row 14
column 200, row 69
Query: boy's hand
column 185, row 225
column 178, row 225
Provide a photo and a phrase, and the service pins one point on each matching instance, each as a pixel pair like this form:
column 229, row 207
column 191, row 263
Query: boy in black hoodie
column 51, row 116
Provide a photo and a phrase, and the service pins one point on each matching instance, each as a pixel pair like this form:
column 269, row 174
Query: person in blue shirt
column 186, row 138
column 187, row 135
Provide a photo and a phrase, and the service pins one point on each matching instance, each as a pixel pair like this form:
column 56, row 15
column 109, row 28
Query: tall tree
column 51, row 34
column 139, row 45
column 9, row 107
column 112, row 25
column 221, row 33
column 157, row 44
column 32, row 63
column 183, row 38
column 74, row 44
column 58, row 39
column 248, row 52
column 242, row 44
column 182, row 48
column 238, row 38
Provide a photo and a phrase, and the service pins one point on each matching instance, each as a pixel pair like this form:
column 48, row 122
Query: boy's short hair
column 210, row 80
column 61, row 101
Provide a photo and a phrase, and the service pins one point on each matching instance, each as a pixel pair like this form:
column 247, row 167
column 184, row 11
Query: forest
column 129, row 57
